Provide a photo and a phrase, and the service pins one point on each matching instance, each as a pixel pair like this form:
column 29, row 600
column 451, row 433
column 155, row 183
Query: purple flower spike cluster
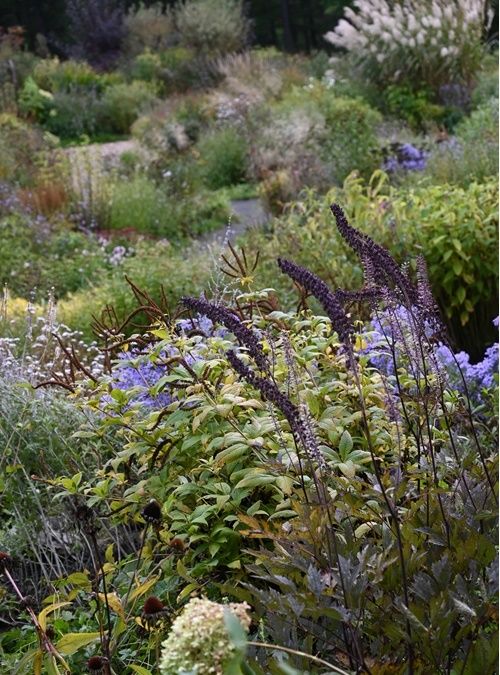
column 387, row 334
column 405, row 157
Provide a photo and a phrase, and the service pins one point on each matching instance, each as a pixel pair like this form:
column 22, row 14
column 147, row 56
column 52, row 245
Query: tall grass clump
column 423, row 43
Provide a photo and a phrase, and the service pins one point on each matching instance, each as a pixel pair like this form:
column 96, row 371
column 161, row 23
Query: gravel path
column 90, row 161
column 248, row 213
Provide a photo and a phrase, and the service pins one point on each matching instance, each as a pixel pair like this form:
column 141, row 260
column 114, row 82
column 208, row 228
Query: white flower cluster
column 412, row 34
column 198, row 641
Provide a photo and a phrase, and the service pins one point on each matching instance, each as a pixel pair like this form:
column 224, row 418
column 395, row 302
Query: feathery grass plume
column 326, row 297
column 383, row 264
column 220, row 314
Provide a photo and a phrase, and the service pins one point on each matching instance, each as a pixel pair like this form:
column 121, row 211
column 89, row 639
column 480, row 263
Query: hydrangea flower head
column 198, row 641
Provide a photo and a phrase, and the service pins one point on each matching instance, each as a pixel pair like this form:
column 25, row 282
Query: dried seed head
column 86, row 520
column 152, row 512
column 5, row 559
column 153, row 613
column 153, row 606
column 178, row 545
column 96, row 664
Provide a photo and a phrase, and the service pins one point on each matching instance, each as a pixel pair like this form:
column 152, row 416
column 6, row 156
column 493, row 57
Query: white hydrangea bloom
column 198, row 641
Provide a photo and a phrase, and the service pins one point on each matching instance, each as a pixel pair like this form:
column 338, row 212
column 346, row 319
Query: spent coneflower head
column 97, row 665
column 85, row 519
column 152, row 512
column 153, row 612
column 5, row 559
column 177, row 545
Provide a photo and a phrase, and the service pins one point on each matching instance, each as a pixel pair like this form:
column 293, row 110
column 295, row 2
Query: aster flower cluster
column 405, row 157
column 391, row 340
column 198, row 641
column 479, row 377
column 140, row 371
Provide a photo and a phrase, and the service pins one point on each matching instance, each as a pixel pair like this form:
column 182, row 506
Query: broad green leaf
column 140, row 670
column 42, row 617
column 72, row 642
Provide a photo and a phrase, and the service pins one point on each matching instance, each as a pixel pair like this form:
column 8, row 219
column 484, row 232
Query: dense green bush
column 35, row 256
column 223, row 157
column 212, row 26
column 75, row 113
column 454, row 228
column 20, row 144
column 146, row 66
column 122, row 104
column 54, row 76
column 473, row 154
column 350, row 142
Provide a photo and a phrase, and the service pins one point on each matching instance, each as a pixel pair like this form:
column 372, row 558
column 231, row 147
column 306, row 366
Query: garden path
column 98, row 157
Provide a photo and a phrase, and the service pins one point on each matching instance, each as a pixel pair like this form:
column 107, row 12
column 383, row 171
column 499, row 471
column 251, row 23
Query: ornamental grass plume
column 425, row 42
column 199, row 641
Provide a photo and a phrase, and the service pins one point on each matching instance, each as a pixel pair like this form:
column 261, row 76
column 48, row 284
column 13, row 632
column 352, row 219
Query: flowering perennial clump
column 428, row 42
column 405, row 157
column 199, row 642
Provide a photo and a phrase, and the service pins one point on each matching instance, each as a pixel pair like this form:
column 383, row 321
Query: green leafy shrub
column 146, row 66
column 144, row 207
column 75, row 113
column 350, row 141
column 224, row 158
column 212, row 26
column 148, row 28
column 123, row 103
column 35, row 256
column 139, row 205
column 35, row 103
column 453, row 227
column 415, row 107
column 486, row 85
column 20, row 144
column 64, row 76
column 473, row 154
